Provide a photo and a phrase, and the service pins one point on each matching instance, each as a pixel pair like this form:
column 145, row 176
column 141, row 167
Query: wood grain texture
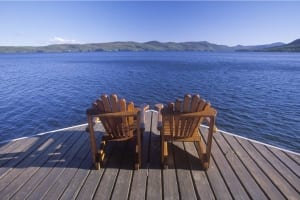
column 271, row 172
column 154, row 184
column 262, row 180
column 140, row 177
column 249, row 183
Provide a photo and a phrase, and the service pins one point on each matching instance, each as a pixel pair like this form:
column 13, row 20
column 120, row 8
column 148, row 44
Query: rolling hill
column 151, row 46
column 290, row 47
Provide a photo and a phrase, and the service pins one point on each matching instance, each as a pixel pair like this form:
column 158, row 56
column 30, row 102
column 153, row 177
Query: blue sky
column 228, row 23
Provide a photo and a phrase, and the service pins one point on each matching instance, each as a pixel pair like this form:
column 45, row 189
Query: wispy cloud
column 60, row 40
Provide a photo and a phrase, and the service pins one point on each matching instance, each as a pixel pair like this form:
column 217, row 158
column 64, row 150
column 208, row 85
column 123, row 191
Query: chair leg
column 101, row 153
column 97, row 165
column 164, row 152
column 138, row 152
column 136, row 164
column 93, row 142
column 142, row 130
column 202, row 154
column 165, row 144
column 140, row 148
column 211, row 130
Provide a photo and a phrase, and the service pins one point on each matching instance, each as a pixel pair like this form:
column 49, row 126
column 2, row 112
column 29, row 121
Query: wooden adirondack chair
column 180, row 121
column 121, row 122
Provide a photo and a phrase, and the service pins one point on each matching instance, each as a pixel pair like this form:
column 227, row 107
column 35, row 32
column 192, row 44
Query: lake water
column 257, row 95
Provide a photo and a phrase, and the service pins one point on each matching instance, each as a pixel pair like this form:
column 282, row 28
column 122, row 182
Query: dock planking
column 199, row 177
column 18, row 174
column 232, row 181
column 139, row 180
column 154, row 183
column 287, row 161
column 59, row 166
column 239, row 169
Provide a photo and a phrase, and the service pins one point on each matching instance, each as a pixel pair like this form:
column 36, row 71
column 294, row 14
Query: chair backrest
column 182, row 118
column 119, row 118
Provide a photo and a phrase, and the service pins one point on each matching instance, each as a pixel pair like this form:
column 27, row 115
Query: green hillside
column 151, row 46
column 118, row 46
column 291, row 47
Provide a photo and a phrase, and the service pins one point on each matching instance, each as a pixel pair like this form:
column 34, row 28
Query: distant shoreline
column 202, row 46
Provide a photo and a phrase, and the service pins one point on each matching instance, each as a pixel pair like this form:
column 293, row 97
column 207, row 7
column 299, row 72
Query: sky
column 227, row 23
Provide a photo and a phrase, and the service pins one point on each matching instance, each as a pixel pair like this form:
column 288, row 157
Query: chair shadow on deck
column 71, row 149
column 121, row 155
column 63, row 149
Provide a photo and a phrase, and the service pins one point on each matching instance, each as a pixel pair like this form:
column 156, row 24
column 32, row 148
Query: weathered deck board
column 275, row 177
column 17, row 187
column 262, row 180
column 290, row 163
column 154, row 185
column 201, row 182
column 59, row 166
column 284, row 171
column 185, row 182
column 14, row 157
column 219, row 187
column 295, row 158
column 232, row 181
column 254, row 191
column 170, row 184
column 123, row 182
column 33, row 159
column 77, row 181
column 42, row 172
column 110, row 173
column 140, row 177
column 47, row 182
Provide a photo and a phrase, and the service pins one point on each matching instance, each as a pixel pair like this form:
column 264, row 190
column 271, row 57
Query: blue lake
column 257, row 95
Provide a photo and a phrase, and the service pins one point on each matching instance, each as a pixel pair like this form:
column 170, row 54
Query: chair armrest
column 207, row 113
column 116, row 114
column 159, row 107
column 143, row 108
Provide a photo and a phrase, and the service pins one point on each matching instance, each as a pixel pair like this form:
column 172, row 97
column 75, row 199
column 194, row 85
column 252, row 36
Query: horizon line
column 79, row 43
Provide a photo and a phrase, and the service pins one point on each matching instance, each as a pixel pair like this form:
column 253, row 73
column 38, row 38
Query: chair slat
column 130, row 108
column 176, row 118
column 192, row 122
column 195, row 102
column 185, row 121
column 201, row 105
column 107, row 108
column 115, row 107
column 122, row 104
column 178, row 105
column 114, row 103
column 188, row 123
column 123, row 108
column 106, row 103
column 187, row 103
column 105, row 121
column 198, row 106
column 182, row 123
column 171, row 118
column 100, row 105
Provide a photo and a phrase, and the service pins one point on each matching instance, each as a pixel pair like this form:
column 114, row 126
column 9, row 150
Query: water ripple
column 256, row 94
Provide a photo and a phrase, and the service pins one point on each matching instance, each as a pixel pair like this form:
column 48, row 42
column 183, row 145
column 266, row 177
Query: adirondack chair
column 121, row 121
column 180, row 121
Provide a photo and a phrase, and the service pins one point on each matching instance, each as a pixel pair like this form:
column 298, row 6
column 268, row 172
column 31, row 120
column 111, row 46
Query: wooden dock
column 59, row 166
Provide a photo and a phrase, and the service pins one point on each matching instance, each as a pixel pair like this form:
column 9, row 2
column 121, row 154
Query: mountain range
column 152, row 46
